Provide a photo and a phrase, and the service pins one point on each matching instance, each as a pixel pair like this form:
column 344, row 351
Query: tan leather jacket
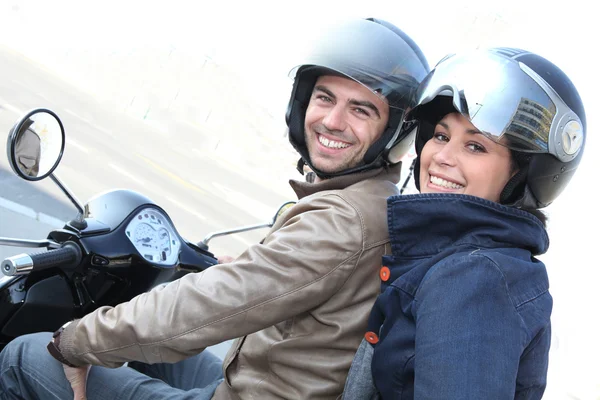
column 299, row 301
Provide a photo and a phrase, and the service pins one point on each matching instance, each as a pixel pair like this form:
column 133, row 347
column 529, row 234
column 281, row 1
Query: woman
column 465, row 308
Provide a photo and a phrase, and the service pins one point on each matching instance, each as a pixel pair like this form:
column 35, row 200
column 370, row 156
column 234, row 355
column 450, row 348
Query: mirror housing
column 283, row 208
column 35, row 144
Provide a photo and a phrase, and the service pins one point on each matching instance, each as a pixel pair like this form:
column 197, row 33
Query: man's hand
column 77, row 377
column 225, row 259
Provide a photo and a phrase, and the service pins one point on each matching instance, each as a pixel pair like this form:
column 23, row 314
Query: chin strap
column 410, row 173
column 300, row 165
column 526, row 201
column 310, row 175
column 517, row 193
column 514, row 188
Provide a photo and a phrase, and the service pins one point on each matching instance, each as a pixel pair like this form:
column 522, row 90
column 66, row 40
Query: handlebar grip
column 66, row 256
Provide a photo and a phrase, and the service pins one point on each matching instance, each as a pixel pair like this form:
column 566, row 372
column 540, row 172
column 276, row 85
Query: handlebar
column 22, row 264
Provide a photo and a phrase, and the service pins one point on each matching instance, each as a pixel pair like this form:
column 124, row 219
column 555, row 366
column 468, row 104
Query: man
column 299, row 301
column 28, row 150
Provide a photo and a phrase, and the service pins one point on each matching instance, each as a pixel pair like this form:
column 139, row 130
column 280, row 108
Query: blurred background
column 185, row 103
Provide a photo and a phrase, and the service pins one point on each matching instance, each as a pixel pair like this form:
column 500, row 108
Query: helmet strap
column 300, row 165
column 376, row 149
column 514, row 188
column 517, row 193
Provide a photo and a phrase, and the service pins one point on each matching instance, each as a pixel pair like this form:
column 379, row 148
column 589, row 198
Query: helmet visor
column 372, row 55
column 507, row 101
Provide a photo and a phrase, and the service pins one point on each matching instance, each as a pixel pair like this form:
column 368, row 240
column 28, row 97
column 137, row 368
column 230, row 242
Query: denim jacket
column 465, row 309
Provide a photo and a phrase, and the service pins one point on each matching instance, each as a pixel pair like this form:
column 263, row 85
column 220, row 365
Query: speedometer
column 154, row 237
column 144, row 235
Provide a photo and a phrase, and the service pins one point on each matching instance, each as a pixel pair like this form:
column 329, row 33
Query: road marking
column 171, row 175
column 31, row 213
column 186, row 209
column 77, row 145
column 49, row 220
column 192, row 125
column 157, row 126
column 106, row 131
column 87, row 121
column 245, row 203
column 13, row 109
column 127, row 174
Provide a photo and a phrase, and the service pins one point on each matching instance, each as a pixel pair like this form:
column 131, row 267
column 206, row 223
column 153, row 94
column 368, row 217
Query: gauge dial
column 164, row 243
column 145, row 235
column 154, row 237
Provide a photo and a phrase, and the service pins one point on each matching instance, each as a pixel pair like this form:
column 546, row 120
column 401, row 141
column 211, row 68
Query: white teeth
column 444, row 183
column 332, row 144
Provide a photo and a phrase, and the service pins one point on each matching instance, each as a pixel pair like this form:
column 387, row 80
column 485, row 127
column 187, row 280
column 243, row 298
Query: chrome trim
column 68, row 193
column 237, row 230
column 6, row 241
column 21, row 264
column 563, row 119
column 7, row 280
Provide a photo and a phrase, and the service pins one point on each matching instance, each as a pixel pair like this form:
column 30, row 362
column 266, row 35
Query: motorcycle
column 119, row 245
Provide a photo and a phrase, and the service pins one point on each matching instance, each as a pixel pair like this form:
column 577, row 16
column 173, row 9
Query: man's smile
column 332, row 143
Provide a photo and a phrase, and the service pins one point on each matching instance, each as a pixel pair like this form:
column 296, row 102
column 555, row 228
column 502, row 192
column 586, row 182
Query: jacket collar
column 304, row 189
column 425, row 224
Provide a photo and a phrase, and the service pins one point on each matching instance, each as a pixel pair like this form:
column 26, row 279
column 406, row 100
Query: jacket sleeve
column 469, row 336
column 296, row 268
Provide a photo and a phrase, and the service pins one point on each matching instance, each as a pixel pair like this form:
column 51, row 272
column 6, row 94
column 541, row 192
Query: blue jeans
column 28, row 371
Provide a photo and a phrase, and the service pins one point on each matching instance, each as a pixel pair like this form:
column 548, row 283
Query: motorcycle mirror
column 35, row 144
column 281, row 210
